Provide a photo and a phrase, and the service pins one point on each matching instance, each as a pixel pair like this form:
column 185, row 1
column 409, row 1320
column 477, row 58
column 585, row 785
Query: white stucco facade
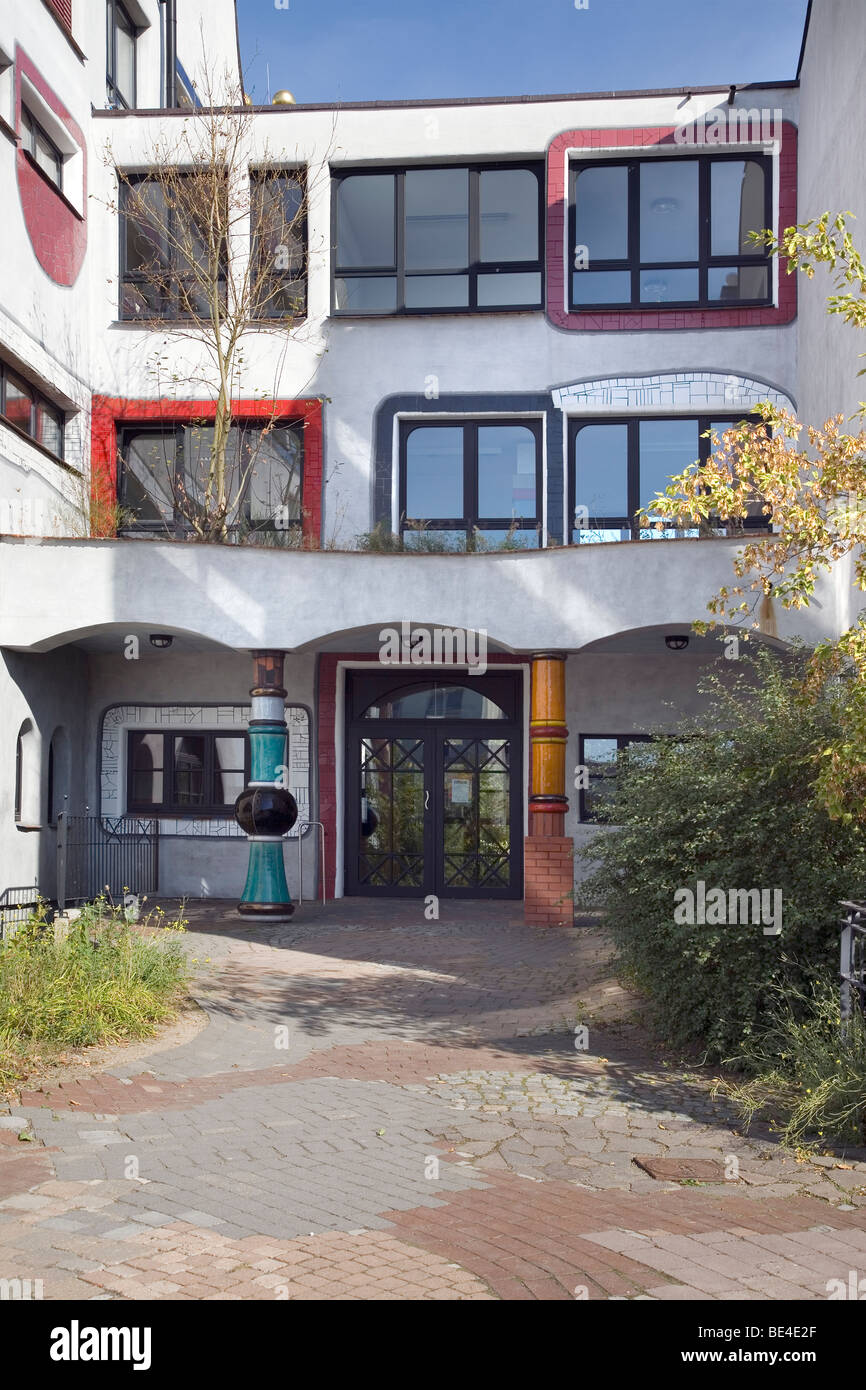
column 70, row 601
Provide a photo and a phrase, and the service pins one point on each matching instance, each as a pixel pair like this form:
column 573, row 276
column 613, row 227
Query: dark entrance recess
column 434, row 783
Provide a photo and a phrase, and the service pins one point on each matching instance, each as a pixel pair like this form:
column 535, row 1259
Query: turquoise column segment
column 266, row 891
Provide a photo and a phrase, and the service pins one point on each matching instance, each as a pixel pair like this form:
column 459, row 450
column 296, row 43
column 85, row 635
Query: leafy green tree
column 729, row 800
column 810, row 484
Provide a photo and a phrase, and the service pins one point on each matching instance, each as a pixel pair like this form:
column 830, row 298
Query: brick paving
column 382, row 1107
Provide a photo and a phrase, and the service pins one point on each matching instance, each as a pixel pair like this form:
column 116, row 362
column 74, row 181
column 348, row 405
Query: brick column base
column 548, row 879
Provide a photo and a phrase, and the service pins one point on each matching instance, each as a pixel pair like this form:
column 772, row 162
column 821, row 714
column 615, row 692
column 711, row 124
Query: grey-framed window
column 37, row 143
column 670, row 232
column 464, row 480
column 445, row 239
column 26, row 408
column 279, row 235
column 163, row 473
column 617, row 464
column 120, row 38
column 599, row 755
column 163, row 255
column 183, row 772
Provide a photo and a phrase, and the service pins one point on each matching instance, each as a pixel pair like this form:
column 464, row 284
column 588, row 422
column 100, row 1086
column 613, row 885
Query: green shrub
column 728, row 800
column 809, row 1083
column 106, row 980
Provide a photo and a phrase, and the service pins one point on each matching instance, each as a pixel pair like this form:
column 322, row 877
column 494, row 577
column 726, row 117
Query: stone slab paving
column 386, row 1108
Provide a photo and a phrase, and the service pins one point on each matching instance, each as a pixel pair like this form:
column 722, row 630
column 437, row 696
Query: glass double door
column 435, row 810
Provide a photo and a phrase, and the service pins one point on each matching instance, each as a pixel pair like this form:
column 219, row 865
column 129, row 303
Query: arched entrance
column 434, row 799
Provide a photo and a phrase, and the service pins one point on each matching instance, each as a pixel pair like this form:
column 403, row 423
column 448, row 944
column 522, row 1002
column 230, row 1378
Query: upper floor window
column 166, row 480
column 439, row 240
column 278, row 228
column 120, row 55
column 672, row 231
column 167, row 263
column 617, row 466
column 470, row 482
column 22, row 405
column 41, row 148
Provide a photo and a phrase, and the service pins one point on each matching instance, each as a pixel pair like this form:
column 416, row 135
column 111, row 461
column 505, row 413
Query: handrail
column 302, row 826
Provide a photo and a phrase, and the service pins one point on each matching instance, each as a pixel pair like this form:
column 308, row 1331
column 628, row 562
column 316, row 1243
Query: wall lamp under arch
column 160, row 640
column 677, row 642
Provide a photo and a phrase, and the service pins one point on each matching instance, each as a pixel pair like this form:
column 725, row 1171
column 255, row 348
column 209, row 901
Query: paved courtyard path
column 384, row 1107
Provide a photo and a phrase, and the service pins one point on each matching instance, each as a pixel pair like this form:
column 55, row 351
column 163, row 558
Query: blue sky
column 367, row 50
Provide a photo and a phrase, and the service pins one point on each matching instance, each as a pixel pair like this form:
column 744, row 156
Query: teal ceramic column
column 266, row 810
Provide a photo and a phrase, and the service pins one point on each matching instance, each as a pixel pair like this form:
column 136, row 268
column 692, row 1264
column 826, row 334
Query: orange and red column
column 548, row 852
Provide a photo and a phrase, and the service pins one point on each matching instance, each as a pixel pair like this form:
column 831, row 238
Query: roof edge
column 721, row 89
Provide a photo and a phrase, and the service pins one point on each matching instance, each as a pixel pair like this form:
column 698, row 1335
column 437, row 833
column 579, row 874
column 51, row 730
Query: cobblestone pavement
column 383, row 1107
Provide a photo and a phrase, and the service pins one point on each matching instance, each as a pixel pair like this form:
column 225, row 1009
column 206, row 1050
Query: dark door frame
column 506, row 688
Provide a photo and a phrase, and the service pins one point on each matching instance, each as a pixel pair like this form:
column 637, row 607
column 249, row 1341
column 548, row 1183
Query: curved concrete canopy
column 56, row 592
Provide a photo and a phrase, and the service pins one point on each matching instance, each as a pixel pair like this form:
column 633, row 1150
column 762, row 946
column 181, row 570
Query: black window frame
column 475, row 267
column 471, row 520
column 171, row 312
column 705, row 423
column 175, row 810
column 38, row 401
column 623, row 741
column 705, row 262
column 180, row 527
column 31, row 125
column 116, row 15
column 299, row 177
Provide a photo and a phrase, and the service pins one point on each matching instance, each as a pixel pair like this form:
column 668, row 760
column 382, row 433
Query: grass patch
column 807, row 1082
column 105, row 981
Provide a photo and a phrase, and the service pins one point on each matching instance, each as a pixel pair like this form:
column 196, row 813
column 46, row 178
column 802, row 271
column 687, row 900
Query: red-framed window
column 115, row 421
column 573, row 147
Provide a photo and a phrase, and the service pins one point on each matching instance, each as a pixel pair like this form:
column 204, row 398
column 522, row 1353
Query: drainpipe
column 170, row 51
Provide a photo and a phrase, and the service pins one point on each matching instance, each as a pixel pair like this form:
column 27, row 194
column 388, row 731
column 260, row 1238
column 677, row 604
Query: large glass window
column 41, row 148
column 618, row 466
column 279, row 237
column 120, row 37
column 471, row 483
column 164, row 475
column 167, row 263
column 183, row 774
column 443, row 239
column 669, row 231
column 23, row 406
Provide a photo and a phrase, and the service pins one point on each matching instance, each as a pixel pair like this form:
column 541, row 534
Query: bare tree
column 214, row 249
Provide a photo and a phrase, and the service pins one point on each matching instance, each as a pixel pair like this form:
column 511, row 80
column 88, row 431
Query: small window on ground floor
column 180, row 773
column 599, row 757
column 470, row 484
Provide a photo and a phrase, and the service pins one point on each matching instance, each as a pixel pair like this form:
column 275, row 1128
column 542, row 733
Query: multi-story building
column 517, row 319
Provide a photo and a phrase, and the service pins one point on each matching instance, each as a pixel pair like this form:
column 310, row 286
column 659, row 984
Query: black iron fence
column 852, row 961
column 105, row 854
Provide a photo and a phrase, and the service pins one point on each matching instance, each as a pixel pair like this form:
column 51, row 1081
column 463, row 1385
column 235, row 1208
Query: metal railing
column 16, row 905
column 303, row 826
column 852, row 962
column 98, row 854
